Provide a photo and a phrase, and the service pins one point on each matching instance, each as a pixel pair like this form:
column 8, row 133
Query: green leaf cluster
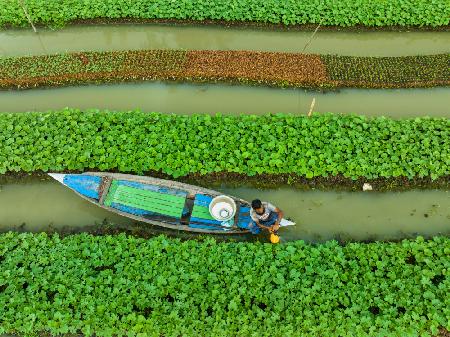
column 320, row 145
column 61, row 65
column 343, row 13
column 121, row 285
column 397, row 71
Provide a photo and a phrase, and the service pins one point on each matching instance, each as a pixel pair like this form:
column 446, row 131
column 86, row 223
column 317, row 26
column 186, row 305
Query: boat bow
column 58, row 176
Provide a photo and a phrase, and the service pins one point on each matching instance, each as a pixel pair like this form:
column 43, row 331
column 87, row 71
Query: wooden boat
column 157, row 201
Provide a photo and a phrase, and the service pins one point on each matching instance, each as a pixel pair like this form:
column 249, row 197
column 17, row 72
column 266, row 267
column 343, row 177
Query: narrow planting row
column 245, row 67
column 325, row 145
column 345, row 13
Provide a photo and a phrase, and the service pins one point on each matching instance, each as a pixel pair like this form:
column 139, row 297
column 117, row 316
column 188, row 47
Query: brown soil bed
column 257, row 66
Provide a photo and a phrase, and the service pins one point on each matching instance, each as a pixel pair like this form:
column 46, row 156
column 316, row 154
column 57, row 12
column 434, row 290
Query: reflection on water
column 125, row 37
column 191, row 98
column 320, row 215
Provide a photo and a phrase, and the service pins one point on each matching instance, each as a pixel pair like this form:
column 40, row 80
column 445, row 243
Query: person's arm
column 280, row 216
column 262, row 226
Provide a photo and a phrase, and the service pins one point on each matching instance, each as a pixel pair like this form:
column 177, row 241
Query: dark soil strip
column 242, row 67
column 216, row 180
column 249, row 24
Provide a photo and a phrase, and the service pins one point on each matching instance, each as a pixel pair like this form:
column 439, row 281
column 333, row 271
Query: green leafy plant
column 345, row 13
column 322, row 145
column 120, row 285
column 388, row 72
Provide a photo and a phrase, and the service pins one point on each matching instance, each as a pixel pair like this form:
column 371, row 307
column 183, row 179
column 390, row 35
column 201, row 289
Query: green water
column 187, row 99
column 319, row 215
column 323, row 215
column 123, row 37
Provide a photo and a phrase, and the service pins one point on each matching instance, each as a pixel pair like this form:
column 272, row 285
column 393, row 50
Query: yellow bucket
column 274, row 238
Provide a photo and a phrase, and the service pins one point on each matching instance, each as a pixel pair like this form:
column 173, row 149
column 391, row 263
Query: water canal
column 124, row 37
column 320, row 215
column 191, row 98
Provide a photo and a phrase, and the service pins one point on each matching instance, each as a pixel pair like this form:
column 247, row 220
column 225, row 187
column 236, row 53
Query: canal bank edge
column 309, row 27
column 274, row 69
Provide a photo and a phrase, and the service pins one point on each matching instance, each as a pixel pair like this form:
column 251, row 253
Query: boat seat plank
column 244, row 218
column 103, row 189
column 145, row 199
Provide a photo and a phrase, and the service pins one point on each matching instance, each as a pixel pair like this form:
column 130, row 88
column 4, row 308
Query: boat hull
column 158, row 202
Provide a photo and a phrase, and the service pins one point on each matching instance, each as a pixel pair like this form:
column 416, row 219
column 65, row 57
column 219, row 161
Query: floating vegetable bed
column 318, row 146
column 119, row 285
column 244, row 67
column 344, row 13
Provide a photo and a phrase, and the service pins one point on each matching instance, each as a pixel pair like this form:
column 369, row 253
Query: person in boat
column 265, row 216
